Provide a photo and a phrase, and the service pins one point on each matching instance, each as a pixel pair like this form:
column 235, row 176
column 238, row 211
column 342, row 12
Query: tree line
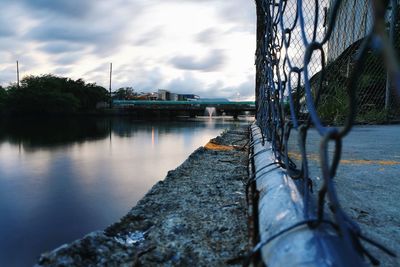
column 50, row 94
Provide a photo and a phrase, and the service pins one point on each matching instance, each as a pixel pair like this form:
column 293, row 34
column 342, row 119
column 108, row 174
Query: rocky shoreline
column 196, row 216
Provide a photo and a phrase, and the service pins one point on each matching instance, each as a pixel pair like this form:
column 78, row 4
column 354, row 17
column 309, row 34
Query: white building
column 163, row 94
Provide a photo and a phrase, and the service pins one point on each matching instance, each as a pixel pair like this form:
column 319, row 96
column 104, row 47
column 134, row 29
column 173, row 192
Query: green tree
column 53, row 94
column 3, row 98
column 88, row 94
column 125, row 93
column 35, row 99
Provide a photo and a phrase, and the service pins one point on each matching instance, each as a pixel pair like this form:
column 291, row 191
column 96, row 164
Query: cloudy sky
column 200, row 46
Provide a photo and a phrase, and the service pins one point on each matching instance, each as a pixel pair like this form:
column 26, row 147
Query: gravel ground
column 195, row 216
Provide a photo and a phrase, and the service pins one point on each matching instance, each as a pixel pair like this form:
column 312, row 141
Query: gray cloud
column 186, row 84
column 8, row 21
column 238, row 12
column 74, row 8
column 241, row 13
column 62, row 71
column 242, row 91
column 148, row 80
column 100, row 69
column 68, row 36
column 72, row 31
column 100, row 25
column 141, row 79
column 207, row 36
column 8, row 75
column 150, row 38
column 8, row 70
column 190, row 84
column 67, row 59
column 5, row 31
column 67, row 31
column 211, row 62
column 61, row 47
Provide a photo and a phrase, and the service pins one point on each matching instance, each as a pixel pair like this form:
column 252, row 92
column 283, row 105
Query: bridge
column 168, row 108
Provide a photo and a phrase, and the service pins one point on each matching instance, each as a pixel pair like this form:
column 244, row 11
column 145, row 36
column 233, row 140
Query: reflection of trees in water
column 126, row 127
column 36, row 132
column 52, row 132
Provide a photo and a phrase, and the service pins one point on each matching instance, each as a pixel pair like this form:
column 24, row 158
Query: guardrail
column 187, row 103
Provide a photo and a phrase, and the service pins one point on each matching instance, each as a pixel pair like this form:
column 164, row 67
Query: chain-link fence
column 375, row 99
column 325, row 64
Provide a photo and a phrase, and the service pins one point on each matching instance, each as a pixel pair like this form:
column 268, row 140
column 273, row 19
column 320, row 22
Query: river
column 61, row 179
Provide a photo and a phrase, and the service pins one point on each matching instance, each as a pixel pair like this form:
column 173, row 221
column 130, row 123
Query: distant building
column 147, row 96
column 173, row 97
column 153, row 96
column 163, row 94
column 187, row 97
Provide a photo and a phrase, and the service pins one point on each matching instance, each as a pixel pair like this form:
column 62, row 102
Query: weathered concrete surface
column 280, row 206
column 196, row 216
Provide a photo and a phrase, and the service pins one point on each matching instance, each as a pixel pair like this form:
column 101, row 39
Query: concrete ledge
column 280, row 206
column 196, row 216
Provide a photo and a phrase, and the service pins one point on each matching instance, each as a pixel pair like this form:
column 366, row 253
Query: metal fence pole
column 391, row 38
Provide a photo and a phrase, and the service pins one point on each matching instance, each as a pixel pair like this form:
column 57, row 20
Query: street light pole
column 17, row 74
column 110, row 85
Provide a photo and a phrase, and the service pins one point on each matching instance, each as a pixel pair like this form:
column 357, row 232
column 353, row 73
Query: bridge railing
column 188, row 103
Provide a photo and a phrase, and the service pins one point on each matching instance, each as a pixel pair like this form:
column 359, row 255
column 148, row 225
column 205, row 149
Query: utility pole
column 17, row 75
column 110, row 85
column 392, row 31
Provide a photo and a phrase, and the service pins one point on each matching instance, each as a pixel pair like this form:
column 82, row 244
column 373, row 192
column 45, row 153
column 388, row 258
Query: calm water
column 62, row 179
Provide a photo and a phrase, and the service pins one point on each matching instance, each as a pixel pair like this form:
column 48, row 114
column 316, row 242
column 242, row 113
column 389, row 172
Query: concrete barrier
column 280, row 207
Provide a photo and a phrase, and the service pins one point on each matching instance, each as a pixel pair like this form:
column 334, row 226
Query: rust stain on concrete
column 218, row 147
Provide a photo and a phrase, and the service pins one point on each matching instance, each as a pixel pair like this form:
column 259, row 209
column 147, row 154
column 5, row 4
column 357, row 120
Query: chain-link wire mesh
column 321, row 63
column 375, row 99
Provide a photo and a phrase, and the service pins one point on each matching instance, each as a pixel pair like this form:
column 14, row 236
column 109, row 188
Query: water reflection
column 60, row 179
column 47, row 132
